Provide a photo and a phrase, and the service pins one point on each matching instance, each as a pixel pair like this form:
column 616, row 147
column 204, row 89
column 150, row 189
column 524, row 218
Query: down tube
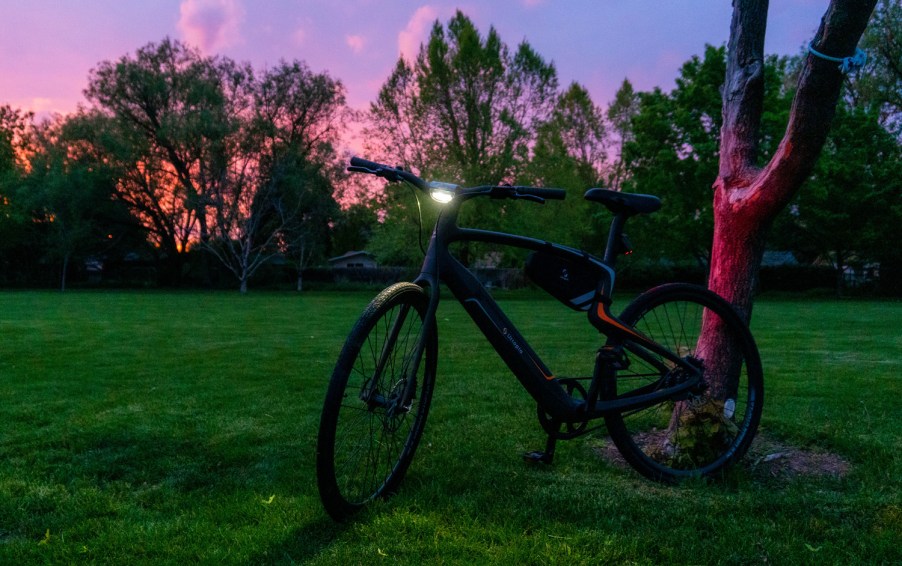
column 535, row 377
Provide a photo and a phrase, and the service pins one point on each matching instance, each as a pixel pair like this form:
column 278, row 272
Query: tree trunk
column 840, row 274
column 65, row 272
column 747, row 197
column 302, row 261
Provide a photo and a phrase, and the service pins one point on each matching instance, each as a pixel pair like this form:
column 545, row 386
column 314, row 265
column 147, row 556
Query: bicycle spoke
column 375, row 429
column 697, row 432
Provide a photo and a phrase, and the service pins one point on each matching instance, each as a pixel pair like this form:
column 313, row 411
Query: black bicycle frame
column 440, row 265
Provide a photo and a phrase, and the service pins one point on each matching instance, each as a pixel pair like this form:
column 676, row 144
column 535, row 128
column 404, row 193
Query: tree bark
column 747, row 197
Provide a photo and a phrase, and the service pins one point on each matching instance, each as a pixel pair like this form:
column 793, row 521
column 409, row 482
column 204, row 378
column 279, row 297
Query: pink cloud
column 299, row 36
column 416, row 32
column 355, row 42
column 45, row 105
column 210, row 24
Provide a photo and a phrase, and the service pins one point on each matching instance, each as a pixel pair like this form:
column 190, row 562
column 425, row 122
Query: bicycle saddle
column 629, row 203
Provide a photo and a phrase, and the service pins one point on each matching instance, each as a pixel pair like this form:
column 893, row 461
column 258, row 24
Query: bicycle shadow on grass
column 161, row 468
column 181, row 463
column 305, row 543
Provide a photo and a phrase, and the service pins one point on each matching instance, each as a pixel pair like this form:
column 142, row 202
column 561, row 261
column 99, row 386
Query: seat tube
column 607, row 361
column 612, row 249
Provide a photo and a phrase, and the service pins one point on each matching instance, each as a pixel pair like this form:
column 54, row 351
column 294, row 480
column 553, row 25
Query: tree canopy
column 467, row 109
column 214, row 154
column 206, row 158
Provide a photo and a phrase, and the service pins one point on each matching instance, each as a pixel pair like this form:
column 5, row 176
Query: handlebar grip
column 360, row 162
column 548, row 194
column 392, row 174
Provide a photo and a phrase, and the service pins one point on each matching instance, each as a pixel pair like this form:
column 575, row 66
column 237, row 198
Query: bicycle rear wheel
column 701, row 433
column 377, row 401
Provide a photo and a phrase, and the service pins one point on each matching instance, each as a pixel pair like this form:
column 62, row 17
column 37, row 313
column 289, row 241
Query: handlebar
column 539, row 192
column 397, row 174
column 393, row 174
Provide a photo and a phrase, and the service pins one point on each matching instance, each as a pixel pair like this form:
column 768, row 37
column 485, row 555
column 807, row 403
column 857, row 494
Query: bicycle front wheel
column 377, row 401
column 708, row 429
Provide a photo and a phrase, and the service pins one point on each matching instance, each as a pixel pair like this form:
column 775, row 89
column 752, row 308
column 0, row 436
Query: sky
column 48, row 47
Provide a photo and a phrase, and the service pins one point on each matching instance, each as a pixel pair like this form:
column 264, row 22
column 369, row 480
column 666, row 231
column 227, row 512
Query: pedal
column 538, row 457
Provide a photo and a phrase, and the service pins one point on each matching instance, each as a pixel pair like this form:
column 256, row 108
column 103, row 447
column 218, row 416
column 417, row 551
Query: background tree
column 145, row 184
column 174, row 112
column 403, row 225
column 672, row 153
column 878, row 89
column 467, row 107
column 467, row 111
column 620, row 114
column 206, row 148
column 273, row 189
column 848, row 210
column 14, row 127
column 302, row 114
column 353, row 227
column 68, row 195
column 570, row 152
column 17, row 243
column 308, row 192
column 879, row 86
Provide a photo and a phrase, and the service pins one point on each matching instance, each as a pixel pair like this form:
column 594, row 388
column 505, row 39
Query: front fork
column 396, row 402
column 370, row 393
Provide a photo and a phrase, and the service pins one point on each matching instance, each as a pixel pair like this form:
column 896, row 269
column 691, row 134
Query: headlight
column 442, row 192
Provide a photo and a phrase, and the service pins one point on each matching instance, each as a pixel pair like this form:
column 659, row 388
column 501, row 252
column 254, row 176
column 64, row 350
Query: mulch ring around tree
column 770, row 457
column 767, row 458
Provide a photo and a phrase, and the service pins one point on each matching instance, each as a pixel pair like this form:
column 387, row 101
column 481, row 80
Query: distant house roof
column 351, row 255
column 776, row 258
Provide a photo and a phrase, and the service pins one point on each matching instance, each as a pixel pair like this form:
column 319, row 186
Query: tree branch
column 743, row 91
column 813, row 108
column 814, row 105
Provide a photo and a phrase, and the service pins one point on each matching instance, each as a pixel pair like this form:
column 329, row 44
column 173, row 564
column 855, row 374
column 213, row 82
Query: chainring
column 570, row 429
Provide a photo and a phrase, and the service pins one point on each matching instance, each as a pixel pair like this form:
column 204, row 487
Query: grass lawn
column 179, row 428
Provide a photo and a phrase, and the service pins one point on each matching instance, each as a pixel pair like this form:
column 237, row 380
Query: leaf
column 813, row 548
column 270, row 500
column 46, row 539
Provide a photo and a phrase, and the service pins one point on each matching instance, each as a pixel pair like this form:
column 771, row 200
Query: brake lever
column 387, row 174
column 532, row 198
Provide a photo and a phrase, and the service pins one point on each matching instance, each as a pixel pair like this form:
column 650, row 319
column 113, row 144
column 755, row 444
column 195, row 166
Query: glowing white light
column 442, row 196
column 442, row 192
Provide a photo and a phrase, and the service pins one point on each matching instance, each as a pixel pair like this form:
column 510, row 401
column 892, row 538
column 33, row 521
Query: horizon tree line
column 180, row 155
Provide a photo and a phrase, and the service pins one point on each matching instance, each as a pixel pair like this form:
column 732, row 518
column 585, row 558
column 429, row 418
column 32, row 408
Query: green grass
column 180, row 428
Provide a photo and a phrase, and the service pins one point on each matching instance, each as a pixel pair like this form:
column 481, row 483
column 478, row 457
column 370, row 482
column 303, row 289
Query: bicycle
column 674, row 406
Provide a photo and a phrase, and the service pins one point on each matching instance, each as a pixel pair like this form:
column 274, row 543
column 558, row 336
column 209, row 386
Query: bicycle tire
column 711, row 428
column 368, row 432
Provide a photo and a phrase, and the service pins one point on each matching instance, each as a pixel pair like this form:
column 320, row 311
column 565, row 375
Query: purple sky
column 47, row 47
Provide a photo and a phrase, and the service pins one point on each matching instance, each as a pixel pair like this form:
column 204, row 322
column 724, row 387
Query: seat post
column 614, row 238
